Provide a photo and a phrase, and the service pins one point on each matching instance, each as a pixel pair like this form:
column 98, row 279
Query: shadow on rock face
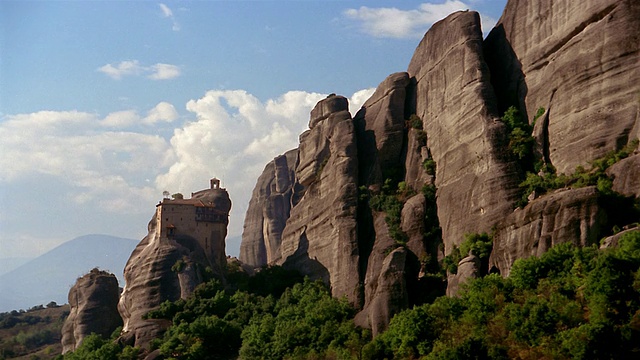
column 301, row 261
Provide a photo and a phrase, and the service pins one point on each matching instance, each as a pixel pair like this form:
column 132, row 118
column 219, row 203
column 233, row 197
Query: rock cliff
column 579, row 60
column 94, row 308
column 437, row 134
column 185, row 246
column 269, row 210
column 320, row 237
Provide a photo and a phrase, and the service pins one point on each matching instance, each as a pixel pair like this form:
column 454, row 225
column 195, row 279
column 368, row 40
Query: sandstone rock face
column 579, row 60
column 320, row 237
column 476, row 186
column 468, row 268
column 612, row 241
column 268, row 211
column 387, row 293
column 412, row 223
column 94, row 308
column 571, row 215
column 380, row 125
column 626, row 176
column 185, row 238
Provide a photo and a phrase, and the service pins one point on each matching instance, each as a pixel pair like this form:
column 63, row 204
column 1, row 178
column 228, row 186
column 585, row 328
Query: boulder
column 94, row 309
column 387, row 293
column 468, row 268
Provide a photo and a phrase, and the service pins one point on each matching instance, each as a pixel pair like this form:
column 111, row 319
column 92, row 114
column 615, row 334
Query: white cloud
column 73, row 147
column 164, row 72
column 396, row 23
column 167, row 13
column 158, row 71
column 162, row 112
column 358, row 99
column 165, row 10
column 121, row 119
column 124, row 68
column 231, row 135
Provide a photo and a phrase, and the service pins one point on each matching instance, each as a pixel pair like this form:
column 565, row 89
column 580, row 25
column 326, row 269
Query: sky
column 106, row 104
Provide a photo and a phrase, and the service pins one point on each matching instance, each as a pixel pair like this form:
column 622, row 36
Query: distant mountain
column 50, row 276
column 8, row 264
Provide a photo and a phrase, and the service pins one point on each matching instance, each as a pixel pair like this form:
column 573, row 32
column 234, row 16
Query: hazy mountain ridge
column 50, row 276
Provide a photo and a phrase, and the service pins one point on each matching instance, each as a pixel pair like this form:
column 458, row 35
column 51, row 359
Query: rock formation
column 578, row 61
column 320, row 237
column 94, row 308
column 268, row 211
column 455, row 100
column 184, row 246
column 567, row 215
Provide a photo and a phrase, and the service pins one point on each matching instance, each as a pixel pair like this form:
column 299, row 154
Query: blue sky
column 105, row 104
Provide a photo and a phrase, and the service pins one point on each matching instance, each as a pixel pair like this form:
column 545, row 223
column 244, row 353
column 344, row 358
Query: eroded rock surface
column 468, row 268
column 626, row 176
column 320, row 237
column 567, row 215
column 386, row 292
column 268, row 211
column 578, row 59
column 455, row 100
column 94, row 308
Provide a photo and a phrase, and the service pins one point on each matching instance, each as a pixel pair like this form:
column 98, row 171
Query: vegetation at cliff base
column 570, row 303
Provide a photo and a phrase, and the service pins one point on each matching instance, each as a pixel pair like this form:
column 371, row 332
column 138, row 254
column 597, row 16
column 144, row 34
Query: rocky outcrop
column 268, row 211
column 380, row 126
column 386, row 294
column 320, row 237
column 613, row 240
column 184, row 246
column 476, row 185
column 579, row 60
column 626, row 176
column 94, row 308
column 468, row 268
column 567, row 215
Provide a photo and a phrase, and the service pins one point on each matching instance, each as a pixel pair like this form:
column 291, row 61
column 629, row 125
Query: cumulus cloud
column 124, row 68
column 167, row 13
column 233, row 136
column 164, row 72
column 358, row 99
column 163, row 112
column 158, row 71
column 228, row 134
column 397, row 23
column 102, row 166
